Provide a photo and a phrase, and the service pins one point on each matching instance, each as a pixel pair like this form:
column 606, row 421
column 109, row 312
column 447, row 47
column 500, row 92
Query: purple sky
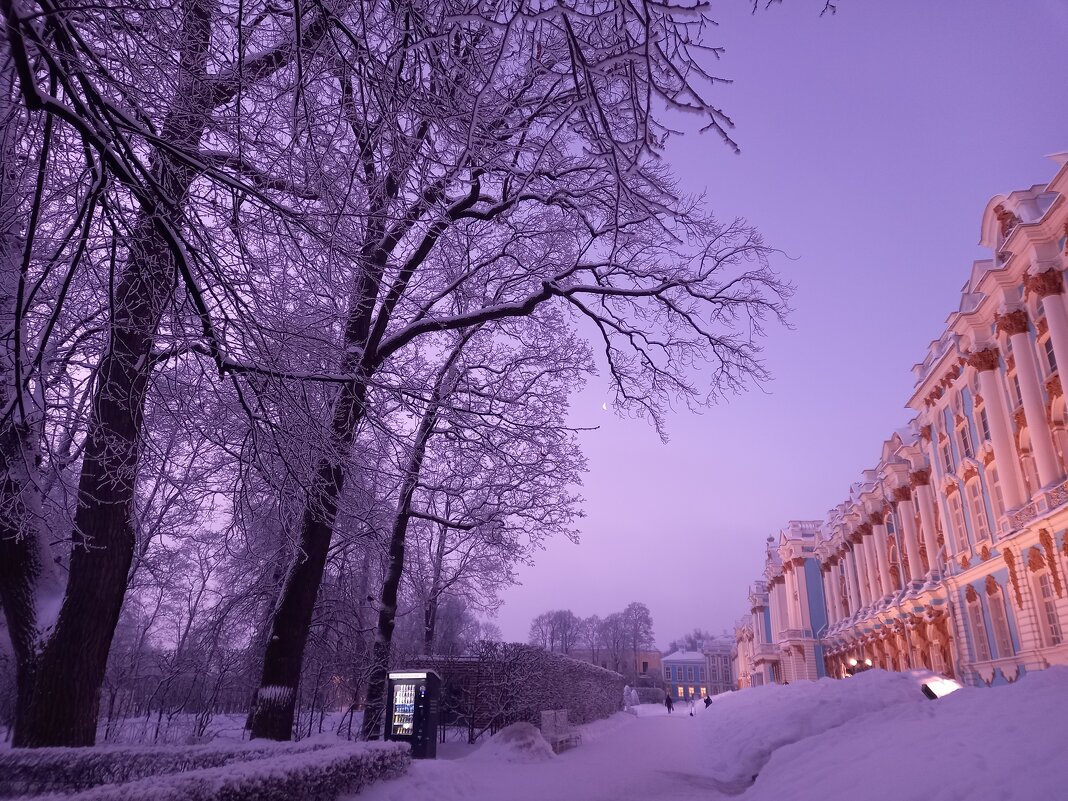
column 871, row 141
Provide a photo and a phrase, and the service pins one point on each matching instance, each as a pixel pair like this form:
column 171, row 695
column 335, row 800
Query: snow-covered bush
column 650, row 695
column 318, row 775
column 506, row 683
column 42, row 770
column 520, row 742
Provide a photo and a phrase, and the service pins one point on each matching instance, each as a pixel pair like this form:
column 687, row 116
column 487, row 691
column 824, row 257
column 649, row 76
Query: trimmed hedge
column 42, row 770
column 650, row 695
column 318, row 775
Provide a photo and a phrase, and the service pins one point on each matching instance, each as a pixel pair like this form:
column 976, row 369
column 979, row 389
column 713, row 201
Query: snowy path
column 828, row 737
column 655, row 757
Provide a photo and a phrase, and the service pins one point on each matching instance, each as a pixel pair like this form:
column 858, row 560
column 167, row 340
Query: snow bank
column 321, row 774
column 995, row 744
column 520, row 742
column 741, row 730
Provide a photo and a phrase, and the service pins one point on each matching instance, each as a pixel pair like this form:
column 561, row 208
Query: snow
column 874, row 736
column 520, row 742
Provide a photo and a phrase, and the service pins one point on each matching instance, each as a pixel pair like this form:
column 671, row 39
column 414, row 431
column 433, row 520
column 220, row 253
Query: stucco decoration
column 965, row 562
column 920, row 478
column 1046, row 283
column 971, row 594
column 1053, row 387
column 991, row 585
column 1051, row 559
column 983, row 360
column 1013, row 322
column 1010, row 563
column 1007, row 220
column 1035, row 562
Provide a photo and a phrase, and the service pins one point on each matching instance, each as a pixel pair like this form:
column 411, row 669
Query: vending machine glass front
column 403, row 710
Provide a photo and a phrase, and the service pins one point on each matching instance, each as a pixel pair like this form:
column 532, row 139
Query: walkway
column 654, row 757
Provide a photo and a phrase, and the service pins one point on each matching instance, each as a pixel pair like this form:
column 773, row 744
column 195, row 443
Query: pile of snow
column 1004, row 742
column 743, row 729
column 520, row 742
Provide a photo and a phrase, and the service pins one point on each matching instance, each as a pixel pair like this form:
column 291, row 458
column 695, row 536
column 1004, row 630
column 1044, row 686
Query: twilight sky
column 871, row 141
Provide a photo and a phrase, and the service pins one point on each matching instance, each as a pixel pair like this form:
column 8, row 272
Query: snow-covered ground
column 872, row 737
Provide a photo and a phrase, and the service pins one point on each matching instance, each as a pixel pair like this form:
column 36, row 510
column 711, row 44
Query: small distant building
column 721, row 676
column 686, row 674
column 643, row 669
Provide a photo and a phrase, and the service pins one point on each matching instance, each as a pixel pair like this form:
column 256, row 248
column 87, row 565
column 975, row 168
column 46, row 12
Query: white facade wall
column 951, row 553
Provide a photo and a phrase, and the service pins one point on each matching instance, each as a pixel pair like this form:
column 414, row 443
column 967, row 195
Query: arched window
column 1049, row 623
column 994, row 483
column 977, row 623
column 977, row 507
column 999, row 619
column 960, row 532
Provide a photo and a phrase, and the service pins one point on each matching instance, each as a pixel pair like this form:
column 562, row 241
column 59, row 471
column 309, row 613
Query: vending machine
column 412, row 704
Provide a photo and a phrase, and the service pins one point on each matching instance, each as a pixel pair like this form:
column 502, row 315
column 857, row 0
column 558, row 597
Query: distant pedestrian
column 668, row 703
column 693, row 705
column 708, row 702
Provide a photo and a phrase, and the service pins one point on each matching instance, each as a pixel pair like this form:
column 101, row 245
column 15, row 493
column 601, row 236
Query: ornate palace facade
column 950, row 554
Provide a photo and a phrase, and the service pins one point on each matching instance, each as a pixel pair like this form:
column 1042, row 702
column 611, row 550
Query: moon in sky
column 604, row 407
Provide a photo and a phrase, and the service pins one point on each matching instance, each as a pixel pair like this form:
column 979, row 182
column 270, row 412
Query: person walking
column 693, row 704
column 668, row 702
column 708, row 702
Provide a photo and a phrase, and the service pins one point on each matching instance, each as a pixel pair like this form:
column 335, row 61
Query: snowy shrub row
column 43, row 770
column 319, row 775
column 650, row 695
column 504, row 683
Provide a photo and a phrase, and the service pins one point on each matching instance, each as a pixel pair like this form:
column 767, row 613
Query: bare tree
column 512, row 149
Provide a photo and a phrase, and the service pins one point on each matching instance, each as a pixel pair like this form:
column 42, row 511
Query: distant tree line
column 615, row 641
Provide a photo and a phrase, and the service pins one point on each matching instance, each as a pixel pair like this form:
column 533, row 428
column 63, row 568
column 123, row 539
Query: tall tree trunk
column 430, row 613
column 64, row 692
column 387, row 607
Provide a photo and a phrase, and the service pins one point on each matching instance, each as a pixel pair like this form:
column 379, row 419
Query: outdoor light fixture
column 852, row 662
column 867, row 662
column 938, row 687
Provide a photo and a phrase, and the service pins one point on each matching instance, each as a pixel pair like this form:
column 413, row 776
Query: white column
column 920, row 482
column 867, row 545
column 882, row 554
column 828, row 604
column 834, row 598
column 863, row 576
column 906, row 515
column 1050, row 287
column 852, row 584
column 1015, row 324
column 1008, row 460
column 793, row 611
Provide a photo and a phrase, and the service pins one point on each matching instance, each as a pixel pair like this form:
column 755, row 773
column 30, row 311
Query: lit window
column 978, row 509
column 1051, row 623
column 999, row 619
column 982, row 644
